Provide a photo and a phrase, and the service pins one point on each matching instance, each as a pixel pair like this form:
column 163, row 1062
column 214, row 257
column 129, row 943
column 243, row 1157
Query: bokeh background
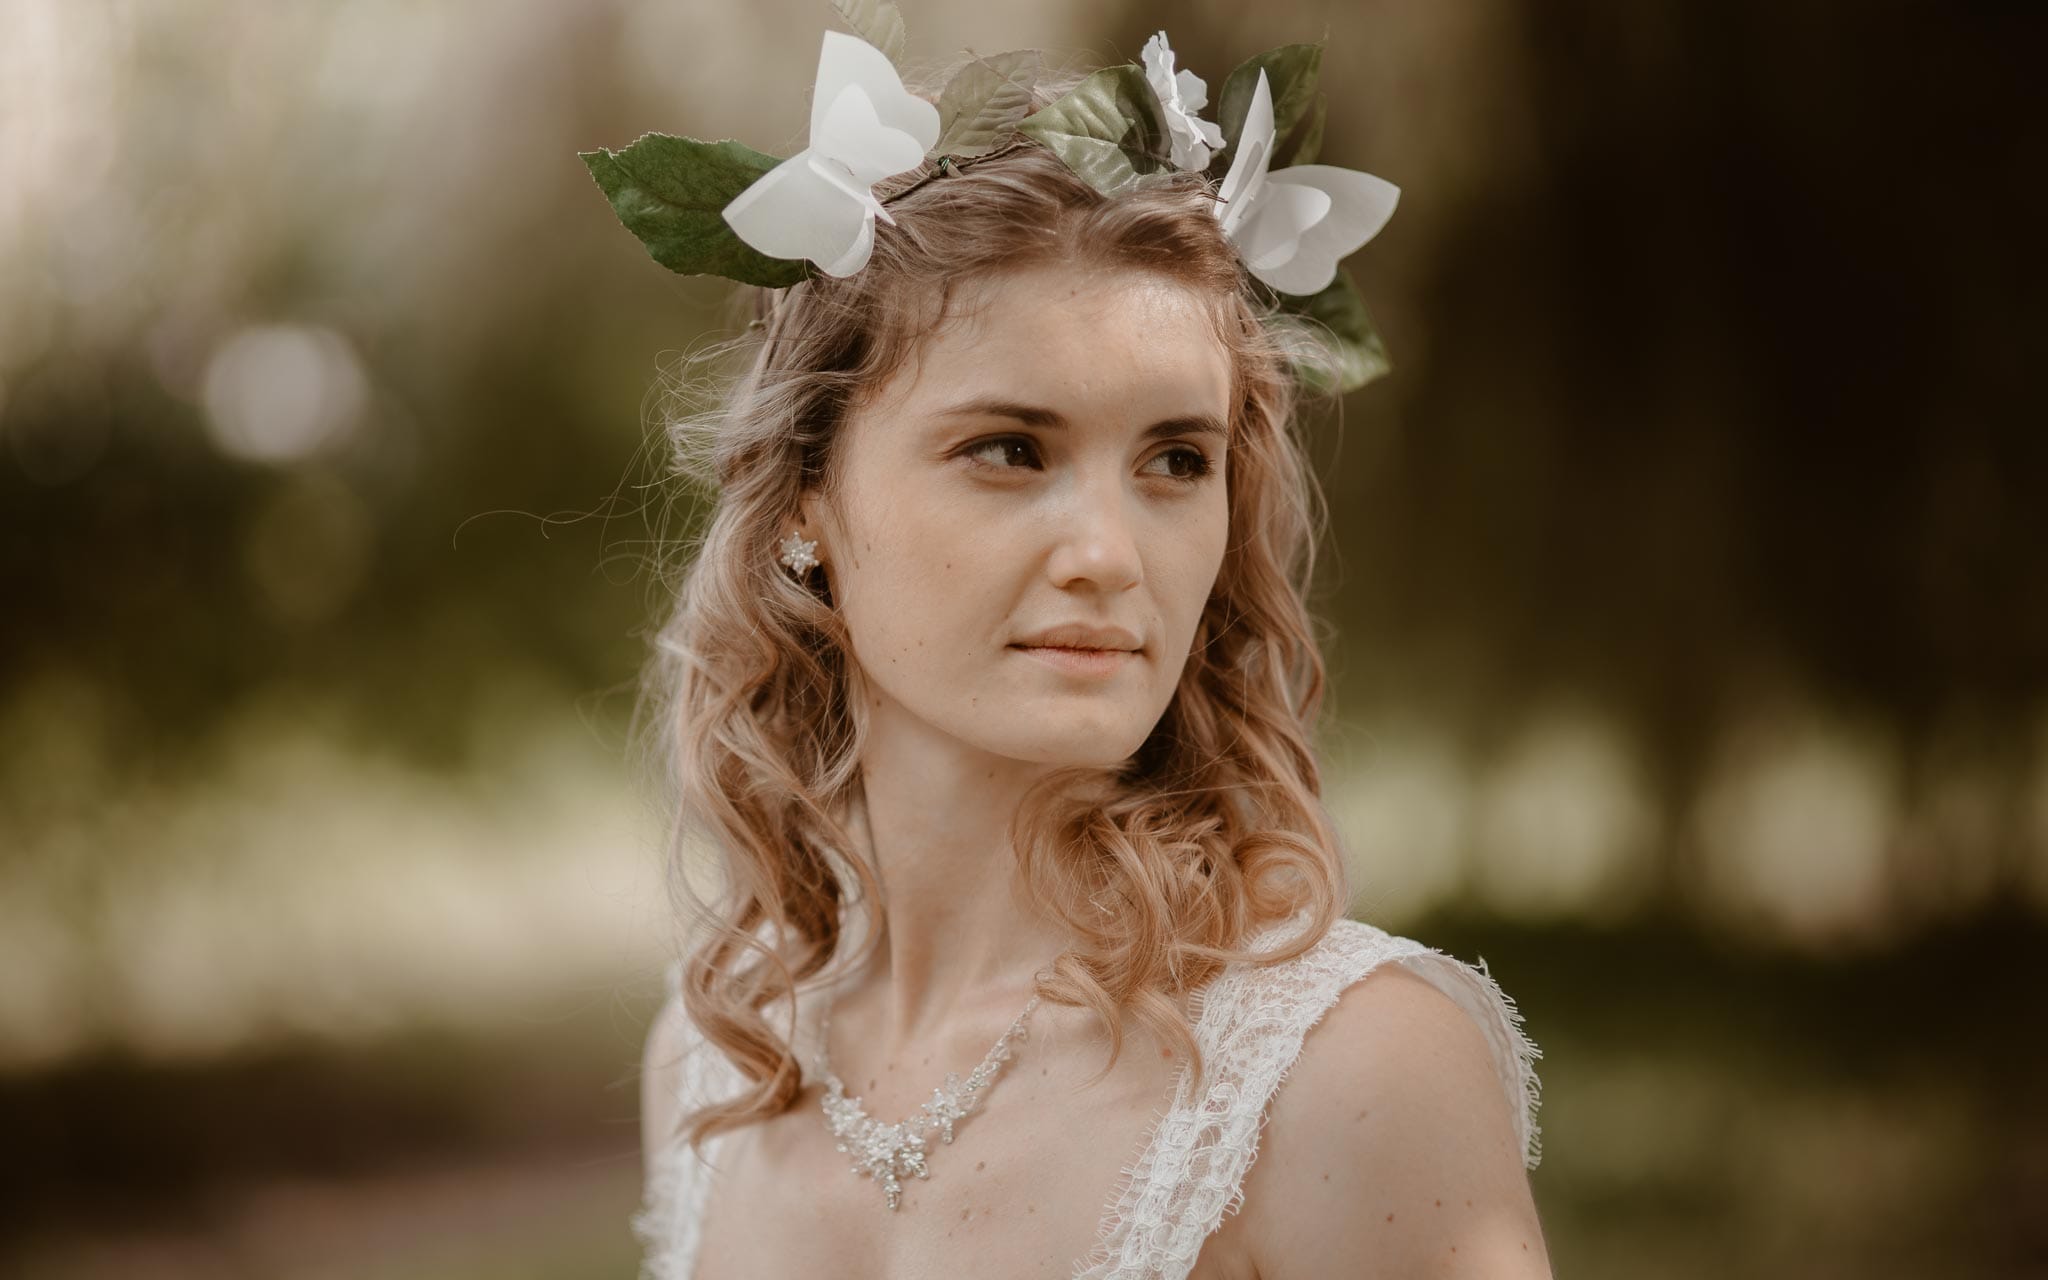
column 1686, row 606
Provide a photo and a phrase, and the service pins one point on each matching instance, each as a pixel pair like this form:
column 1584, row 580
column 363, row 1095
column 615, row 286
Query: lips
column 1080, row 662
column 1082, row 637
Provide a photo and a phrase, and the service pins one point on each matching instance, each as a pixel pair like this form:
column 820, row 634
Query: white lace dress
column 1250, row 1024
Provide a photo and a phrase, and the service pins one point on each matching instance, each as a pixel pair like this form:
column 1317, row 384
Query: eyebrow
column 1036, row 416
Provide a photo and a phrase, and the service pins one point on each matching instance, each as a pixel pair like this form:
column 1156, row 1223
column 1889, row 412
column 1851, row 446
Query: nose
column 1097, row 538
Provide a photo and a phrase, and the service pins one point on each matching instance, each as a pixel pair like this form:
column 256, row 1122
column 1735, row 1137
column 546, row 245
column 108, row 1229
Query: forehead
column 1128, row 338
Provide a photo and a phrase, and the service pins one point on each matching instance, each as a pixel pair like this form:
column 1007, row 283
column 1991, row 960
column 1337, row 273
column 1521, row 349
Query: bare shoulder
column 661, row 1078
column 1391, row 1150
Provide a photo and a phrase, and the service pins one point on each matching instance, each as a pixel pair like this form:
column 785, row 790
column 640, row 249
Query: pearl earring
column 796, row 553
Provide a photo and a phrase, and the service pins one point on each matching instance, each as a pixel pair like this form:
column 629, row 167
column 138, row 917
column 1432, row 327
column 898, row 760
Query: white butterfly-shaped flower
column 1292, row 225
column 820, row 203
column 1180, row 98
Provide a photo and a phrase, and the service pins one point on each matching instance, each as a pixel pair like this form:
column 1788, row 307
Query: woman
column 991, row 689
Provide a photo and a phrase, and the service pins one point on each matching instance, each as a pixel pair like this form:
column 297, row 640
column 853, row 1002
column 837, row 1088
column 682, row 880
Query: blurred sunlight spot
column 308, row 548
column 1401, row 810
column 1794, row 822
column 277, row 393
column 1565, row 825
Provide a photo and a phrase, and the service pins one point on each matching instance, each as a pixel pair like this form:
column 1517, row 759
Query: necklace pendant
column 888, row 1153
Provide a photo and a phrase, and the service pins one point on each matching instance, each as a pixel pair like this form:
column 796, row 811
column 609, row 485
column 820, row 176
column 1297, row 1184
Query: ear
column 809, row 521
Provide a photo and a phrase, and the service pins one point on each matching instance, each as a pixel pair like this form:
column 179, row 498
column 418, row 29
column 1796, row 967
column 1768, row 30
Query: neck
column 960, row 944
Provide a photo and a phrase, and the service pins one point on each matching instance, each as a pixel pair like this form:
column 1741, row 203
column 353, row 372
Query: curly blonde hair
column 1163, row 867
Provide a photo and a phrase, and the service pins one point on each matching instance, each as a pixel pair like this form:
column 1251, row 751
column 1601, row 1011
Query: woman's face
column 1053, row 457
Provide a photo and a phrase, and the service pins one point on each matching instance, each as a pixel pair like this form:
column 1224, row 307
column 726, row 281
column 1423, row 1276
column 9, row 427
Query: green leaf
column 1291, row 72
column 878, row 22
column 984, row 98
column 671, row 191
column 1301, row 148
column 1107, row 128
column 1331, row 338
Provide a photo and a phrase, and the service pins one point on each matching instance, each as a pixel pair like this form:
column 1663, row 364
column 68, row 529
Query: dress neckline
column 1116, row 1215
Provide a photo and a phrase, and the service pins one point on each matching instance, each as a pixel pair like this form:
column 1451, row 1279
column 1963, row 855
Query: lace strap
column 1251, row 1030
column 670, row 1215
column 669, row 1222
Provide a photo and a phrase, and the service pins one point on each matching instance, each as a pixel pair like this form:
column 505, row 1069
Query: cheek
column 1195, row 555
column 910, row 584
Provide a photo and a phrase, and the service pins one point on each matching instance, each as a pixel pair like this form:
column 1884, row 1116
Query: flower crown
column 724, row 209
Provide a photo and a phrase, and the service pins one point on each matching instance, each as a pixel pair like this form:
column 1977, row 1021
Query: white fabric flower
column 1292, row 225
column 1181, row 97
column 820, row 203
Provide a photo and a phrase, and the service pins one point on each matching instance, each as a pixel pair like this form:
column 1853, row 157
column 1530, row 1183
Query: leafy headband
column 724, row 209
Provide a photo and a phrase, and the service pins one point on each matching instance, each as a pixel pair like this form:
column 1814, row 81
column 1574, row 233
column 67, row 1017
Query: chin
column 1096, row 746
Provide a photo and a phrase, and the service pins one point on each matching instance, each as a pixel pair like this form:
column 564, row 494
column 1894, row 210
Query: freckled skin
column 1091, row 523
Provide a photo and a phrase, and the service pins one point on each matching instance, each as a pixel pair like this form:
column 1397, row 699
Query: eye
column 1194, row 462
column 1004, row 447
